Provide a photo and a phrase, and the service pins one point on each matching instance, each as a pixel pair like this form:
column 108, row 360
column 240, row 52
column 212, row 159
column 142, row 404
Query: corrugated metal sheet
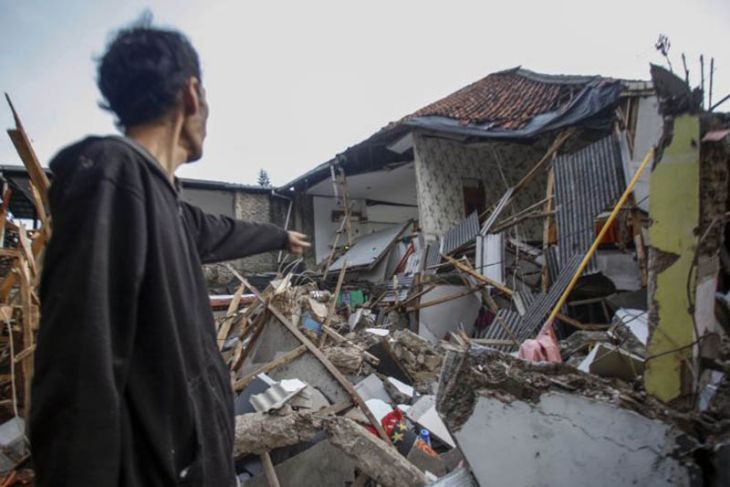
column 587, row 183
column 405, row 281
column 540, row 308
column 433, row 257
column 524, row 299
column 496, row 331
column 551, row 258
column 461, row 234
column 497, row 211
column 369, row 249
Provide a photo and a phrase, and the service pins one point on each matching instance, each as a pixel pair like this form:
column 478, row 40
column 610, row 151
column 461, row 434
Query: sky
column 292, row 83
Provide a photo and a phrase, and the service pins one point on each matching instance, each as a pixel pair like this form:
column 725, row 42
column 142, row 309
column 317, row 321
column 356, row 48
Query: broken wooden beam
column 320, row 356
column 241, row 383
column 269, row 471
column 260, row 432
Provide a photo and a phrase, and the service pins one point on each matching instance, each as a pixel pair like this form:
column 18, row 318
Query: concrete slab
column 567, row 439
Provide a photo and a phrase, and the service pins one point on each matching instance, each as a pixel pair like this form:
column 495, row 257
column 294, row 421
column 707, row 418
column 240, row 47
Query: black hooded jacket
column 129, row 387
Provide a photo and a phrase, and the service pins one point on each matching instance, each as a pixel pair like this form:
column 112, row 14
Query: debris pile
column 21, row 260
column 306, row 379
column 488, row 356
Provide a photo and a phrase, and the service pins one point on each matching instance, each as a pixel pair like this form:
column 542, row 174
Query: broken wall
column 442, row 166
column 367, row 219
column 647, row 133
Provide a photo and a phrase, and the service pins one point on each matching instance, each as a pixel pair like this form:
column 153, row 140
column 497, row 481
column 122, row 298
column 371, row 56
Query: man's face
column 195, row 125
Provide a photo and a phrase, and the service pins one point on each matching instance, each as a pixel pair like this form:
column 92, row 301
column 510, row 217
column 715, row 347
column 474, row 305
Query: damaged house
column 470, row 170
column 524, row 283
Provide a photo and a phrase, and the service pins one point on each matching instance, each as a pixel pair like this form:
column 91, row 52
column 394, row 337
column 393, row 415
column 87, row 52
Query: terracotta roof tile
column 508, row 99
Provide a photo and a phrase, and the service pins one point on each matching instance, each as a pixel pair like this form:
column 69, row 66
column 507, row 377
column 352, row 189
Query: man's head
column 150, row 76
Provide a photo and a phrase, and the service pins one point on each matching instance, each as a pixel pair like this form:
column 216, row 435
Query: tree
column 264, row 180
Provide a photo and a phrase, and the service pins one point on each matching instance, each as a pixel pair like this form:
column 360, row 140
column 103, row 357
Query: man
column 129, row 388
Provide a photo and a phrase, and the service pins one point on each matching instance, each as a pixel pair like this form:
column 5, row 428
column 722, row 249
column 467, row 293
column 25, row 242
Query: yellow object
column 606, row 226
column 675, row 211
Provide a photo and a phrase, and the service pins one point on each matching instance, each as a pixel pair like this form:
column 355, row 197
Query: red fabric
column 544, row 348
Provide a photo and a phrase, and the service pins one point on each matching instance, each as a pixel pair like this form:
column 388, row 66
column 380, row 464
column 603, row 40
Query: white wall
column 649, row 126
column 378, row 217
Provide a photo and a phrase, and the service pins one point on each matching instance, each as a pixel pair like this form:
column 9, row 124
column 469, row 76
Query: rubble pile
column 21, row 261
column 365, row 391
column 491, row 357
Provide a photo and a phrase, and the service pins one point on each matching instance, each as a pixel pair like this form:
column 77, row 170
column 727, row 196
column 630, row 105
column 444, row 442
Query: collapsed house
column 519, row 282
column 492, row 171
column 522, row 283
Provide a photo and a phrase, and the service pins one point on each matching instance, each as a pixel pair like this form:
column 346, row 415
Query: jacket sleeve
column 220, row 238
column 93, row 272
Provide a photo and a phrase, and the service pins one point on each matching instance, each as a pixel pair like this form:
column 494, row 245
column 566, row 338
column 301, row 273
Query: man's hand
column 298, row 242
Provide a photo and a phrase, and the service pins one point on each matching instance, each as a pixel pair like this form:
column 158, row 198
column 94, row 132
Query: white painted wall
column 379, row 217
column 649, row 125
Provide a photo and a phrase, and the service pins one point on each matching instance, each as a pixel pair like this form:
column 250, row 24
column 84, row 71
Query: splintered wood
column 21, row 255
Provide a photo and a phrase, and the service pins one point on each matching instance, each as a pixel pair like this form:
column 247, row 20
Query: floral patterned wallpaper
column 442, row 165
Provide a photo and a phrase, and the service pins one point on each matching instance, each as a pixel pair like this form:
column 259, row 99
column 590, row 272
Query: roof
column 21, row 201
column 507, row 99
column 223, row 186
column 515, row 104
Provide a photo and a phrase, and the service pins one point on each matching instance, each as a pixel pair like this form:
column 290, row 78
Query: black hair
column 142, row 71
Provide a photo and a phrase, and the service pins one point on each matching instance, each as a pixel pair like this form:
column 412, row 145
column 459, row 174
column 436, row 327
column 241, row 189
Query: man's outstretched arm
column 93, row 271
column 220, row 238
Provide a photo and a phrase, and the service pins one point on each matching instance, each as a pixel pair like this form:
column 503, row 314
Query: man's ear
column 191, row 96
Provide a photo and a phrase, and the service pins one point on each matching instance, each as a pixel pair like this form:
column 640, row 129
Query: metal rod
column 723, row 100
column 712, row 72
column 286, row 227
column 702, row 78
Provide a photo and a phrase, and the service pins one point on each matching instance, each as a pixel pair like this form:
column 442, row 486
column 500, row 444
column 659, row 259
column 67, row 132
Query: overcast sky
column 293, row 83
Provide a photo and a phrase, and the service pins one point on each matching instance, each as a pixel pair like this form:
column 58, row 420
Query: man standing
column 130, row 388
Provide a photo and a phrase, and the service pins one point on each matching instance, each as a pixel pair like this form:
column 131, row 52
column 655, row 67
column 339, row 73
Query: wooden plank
column 256, row 327
column 320, row 356
column 28, row 156
column 25, row 249
column 27, row 333
column 282, row 360
column 548, row 157
column 333, row 303
column 225, row 327
column 549, row 230
column 490, row 341
column 271, row 477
